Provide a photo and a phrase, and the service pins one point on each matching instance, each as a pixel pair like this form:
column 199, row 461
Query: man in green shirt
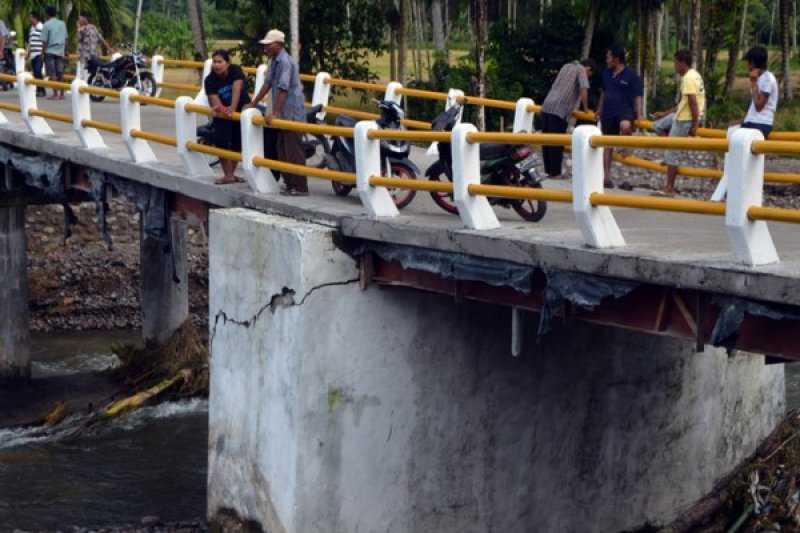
column 54, row 40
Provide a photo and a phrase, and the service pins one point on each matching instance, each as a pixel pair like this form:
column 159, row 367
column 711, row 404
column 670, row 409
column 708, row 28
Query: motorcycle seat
column 494, row 150
column 94, row 60
column 347, row 122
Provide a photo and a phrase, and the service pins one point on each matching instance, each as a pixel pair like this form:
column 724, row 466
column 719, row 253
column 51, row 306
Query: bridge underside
column 700, row 316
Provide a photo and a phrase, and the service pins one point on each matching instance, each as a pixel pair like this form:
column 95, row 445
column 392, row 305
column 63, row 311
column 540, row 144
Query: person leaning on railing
column 226, row 93
column 287, row 103
column 34, row 50
column 570, row 88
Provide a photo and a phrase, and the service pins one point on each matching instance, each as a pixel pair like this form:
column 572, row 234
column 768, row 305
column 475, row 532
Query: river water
column 152, row 462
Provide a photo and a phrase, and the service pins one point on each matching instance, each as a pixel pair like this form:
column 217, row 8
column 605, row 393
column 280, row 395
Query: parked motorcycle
column 394, row 153
column 501, row 164
column 7, row 63
column 125, row 71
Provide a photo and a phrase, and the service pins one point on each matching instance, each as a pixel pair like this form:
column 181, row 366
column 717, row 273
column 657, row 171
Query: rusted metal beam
column 648, row 308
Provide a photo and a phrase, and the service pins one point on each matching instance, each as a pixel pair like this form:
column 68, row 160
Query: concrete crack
column 285, row 298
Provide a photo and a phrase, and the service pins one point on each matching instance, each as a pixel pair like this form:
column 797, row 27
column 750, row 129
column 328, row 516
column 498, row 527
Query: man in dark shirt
column 620, row 102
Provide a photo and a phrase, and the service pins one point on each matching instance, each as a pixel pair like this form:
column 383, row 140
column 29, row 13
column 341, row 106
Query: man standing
column 570, row 88
column 287, row 104
column 3, row 38
column 54, row 40
column 763, row 93
column 34, row 50
column 688, row 114
column 620, row 102
column 88, row 39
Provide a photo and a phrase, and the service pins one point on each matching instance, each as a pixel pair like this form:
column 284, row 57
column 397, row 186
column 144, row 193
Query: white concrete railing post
column 82, row 110
column 750, row 240
column 261, row 77
column 27, row 101
column 260, row 179
column 322, row 93
column 130, row 119
column 377, row 200
column 157, row 68
column 523, row 119
column 597, row 223
column 392, row 94
column 722, row 186
column 78, row 71
column 19, row 60
column 202, row 98
column 475, row 211
column 453, row 96
column 194, row 163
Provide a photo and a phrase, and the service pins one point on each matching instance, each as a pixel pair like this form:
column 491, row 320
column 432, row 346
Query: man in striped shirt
column 570, row 88
column 34, row 51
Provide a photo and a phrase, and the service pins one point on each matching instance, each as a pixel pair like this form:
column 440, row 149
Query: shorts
column 54, row 66
column 680, row 128
column 226, row 134
column 765, row 129
column 610, row 125
column 663, row 125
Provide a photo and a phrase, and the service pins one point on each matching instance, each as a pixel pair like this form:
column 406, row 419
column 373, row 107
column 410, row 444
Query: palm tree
column 195, row 9
column 786, row 50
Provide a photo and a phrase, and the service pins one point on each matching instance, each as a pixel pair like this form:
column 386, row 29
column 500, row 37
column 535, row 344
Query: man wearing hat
column 287, row 103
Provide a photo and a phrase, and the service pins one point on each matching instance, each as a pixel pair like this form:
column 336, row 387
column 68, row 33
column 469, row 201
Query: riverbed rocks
column 79, row 284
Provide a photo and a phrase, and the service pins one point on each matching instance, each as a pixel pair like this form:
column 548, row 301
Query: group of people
column 226, row 92
column 621, row 104
column 47, row 46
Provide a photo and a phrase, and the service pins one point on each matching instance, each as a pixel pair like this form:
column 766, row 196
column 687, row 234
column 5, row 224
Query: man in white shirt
column 763, row 93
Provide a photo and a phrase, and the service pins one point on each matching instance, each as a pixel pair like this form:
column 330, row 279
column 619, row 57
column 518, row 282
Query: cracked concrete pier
column 334, row 408
column 165, row 301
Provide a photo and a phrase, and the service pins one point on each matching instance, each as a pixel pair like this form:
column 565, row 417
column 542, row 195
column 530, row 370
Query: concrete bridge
column 362, row 368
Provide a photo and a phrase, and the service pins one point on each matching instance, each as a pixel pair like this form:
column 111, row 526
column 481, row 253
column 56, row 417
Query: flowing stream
column 151, row 462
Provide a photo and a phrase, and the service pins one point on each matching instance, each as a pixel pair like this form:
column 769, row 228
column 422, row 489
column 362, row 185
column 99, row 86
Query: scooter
column 501, row 164
column 394, row 153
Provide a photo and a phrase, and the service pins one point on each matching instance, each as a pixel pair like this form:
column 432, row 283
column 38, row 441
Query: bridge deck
column 677, row 250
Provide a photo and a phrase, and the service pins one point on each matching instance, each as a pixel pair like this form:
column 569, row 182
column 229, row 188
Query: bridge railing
column 745, row 217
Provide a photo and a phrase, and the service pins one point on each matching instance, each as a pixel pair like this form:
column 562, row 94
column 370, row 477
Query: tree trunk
column 677, row 17
column 403, row 41
column 194, row 7
column 772, row 22
column 393, row 52
column 479, row 18
column 657, row 30
column 294, row 29
column 588, row 33
column 734, row 50
column 695, row 38
column 786, row 51
column 439, row 43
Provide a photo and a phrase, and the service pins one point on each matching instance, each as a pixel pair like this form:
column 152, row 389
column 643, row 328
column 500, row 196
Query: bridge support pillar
column 14, row 351
column 165, row 303
column 334, row 408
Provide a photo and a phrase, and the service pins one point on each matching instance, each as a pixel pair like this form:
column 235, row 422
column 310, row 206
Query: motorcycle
column 125, row 71
column 394, row 153
column 501, row 164
column 7, row 63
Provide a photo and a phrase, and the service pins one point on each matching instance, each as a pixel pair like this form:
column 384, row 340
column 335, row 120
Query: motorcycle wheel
column 95, row 82
column 401, row 197
column 146, row 86
column 341, row 189
column 442, row 199
column 530, row 210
